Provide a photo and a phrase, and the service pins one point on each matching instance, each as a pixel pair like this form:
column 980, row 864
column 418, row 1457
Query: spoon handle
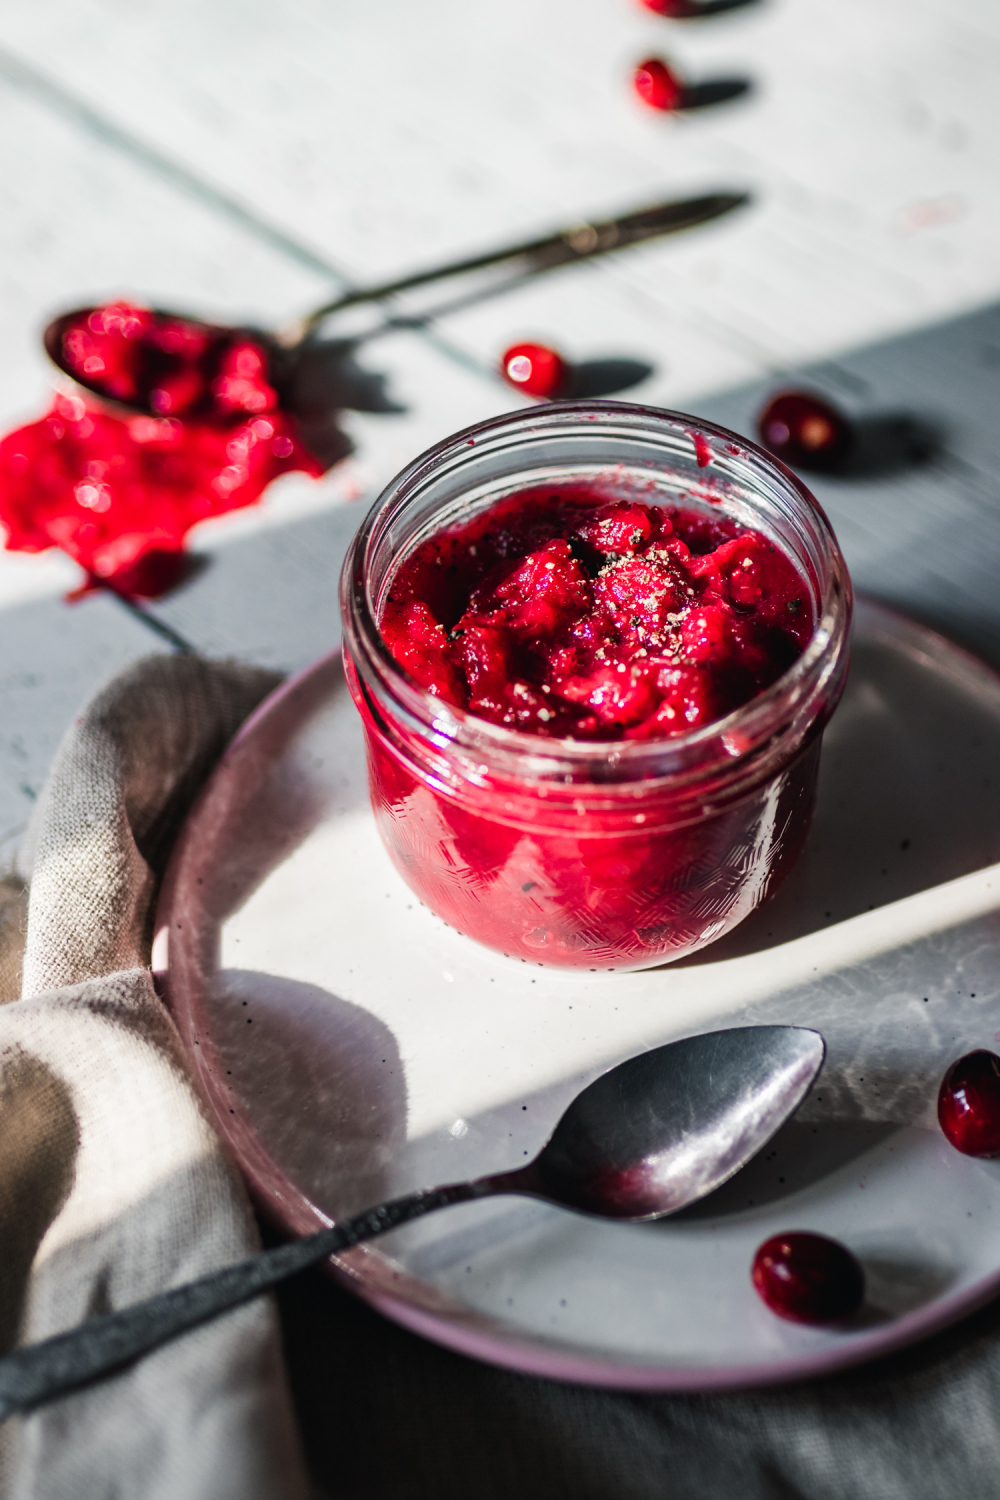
column 581, row 242
column 31, row 1376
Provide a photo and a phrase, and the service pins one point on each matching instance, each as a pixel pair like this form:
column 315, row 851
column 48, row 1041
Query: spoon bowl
column 168, row 365
column 664, row 1129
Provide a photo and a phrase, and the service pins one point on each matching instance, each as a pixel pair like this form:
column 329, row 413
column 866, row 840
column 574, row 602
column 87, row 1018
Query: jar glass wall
column 610, row 854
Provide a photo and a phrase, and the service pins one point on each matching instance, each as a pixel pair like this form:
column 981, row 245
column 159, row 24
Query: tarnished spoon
column 649, row 1137
column 581, row 241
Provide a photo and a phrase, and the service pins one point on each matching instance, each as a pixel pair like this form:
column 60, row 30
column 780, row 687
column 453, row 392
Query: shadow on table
column 273, row 800
column 699, row 10
column 799, row 1156
column 592, row 378
column 384, row 1413
column 713, row 91
column 886, row 443
column 322, row 1080
column 882, row 444
column 803, row 1154
column 909, row 797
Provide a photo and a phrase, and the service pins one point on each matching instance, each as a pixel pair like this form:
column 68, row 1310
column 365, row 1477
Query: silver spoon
column 649, row 1137
column 528, row 258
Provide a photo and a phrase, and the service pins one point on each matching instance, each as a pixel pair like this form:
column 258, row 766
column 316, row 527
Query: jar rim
column 789, row 703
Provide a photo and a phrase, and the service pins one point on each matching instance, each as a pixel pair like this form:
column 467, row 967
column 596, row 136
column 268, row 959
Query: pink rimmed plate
column 351, row 1046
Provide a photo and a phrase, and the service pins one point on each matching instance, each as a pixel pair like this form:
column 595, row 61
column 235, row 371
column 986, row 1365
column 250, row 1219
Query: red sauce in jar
column 580, row 616
column 566, row 612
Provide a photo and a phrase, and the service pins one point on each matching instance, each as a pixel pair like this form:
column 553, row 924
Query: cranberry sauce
column 805, row 431
column 167, row 365
column 563, row 611
column 808, row 1278
column 593, row 704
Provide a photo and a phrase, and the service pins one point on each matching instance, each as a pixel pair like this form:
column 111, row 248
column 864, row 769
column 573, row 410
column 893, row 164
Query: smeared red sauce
column 808, row 1278
column 969, row 1104
column 566, row 612
column 120, row 495
column 702, row 449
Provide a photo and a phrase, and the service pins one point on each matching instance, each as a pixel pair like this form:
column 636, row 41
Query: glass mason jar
column 608, row 855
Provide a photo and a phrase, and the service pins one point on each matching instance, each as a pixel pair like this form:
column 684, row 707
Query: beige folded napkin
column 113, row 1185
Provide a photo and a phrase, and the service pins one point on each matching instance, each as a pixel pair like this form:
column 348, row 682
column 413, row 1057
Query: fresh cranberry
column 674, row 8
column 535, row 369
column 657, row 85
column 969, row 1104
column 804, row 430
column 808, row 1278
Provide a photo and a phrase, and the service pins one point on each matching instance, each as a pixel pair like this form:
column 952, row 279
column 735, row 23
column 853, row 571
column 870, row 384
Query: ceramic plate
column 353, row 1047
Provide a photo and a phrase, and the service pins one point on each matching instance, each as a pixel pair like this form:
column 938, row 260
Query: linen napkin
column 113, row 1185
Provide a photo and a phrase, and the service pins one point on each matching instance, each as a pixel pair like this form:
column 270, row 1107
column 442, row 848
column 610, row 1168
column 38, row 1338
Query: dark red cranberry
column 678, row 9
column 535, row 369
column 969, row 1104
column 805, row 431
column 808, row 1278
column 657, row 85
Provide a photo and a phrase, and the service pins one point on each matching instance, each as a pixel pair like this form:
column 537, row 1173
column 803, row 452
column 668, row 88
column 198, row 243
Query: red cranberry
column 534, row 368
column 804, row 430
column 675, row 8
column 969, row 1104
column 808, row 1278
column 657, row 85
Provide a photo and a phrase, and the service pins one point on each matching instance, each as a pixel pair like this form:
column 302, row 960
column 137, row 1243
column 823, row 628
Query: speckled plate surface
column 352, row 1046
